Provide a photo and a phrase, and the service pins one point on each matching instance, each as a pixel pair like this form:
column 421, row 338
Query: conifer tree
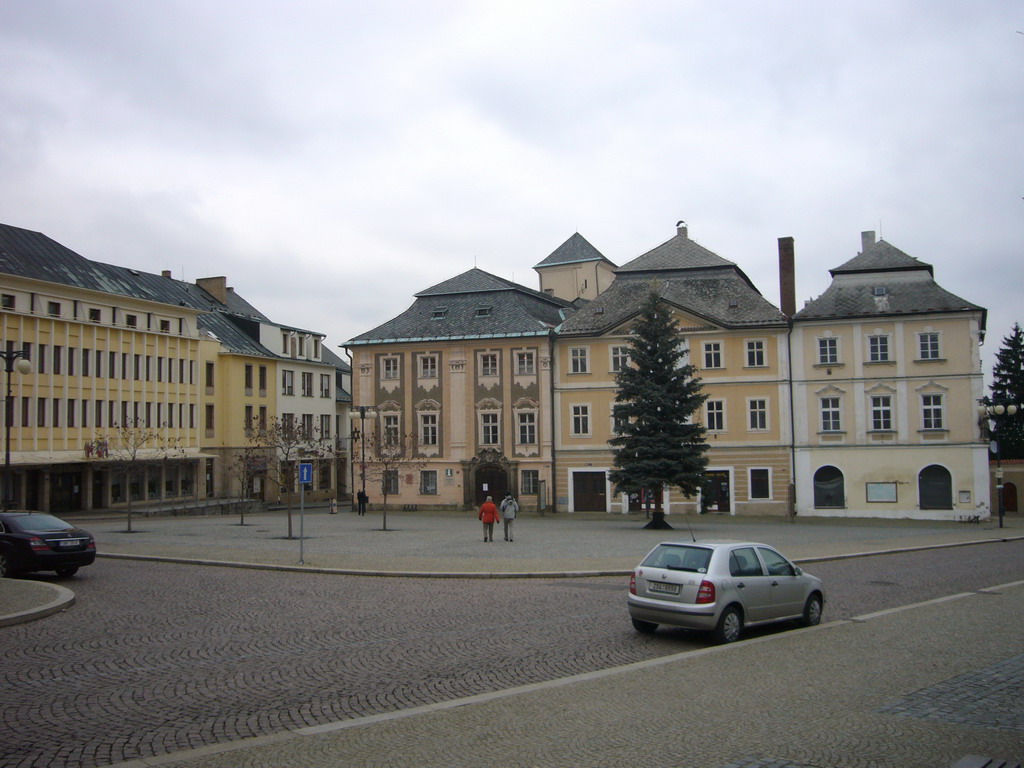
column 657, row 444
column 1008, row 387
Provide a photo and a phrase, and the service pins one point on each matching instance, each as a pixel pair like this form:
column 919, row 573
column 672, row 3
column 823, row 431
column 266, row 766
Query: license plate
column 69, row 543
column 667, row 589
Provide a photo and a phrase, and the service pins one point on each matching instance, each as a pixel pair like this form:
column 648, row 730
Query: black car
column 35, row 541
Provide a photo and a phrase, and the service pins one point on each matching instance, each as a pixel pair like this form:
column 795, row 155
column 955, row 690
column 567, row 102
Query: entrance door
column 491, row 480
column 717, row 488
column 1009, row 497
column 65, row 492
column 589, row 492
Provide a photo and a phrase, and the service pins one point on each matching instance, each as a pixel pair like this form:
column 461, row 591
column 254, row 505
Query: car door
column 787, row 588
column 752, row 585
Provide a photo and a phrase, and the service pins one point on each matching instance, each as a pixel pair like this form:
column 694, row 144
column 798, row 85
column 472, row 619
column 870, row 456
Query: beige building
column 141, row 386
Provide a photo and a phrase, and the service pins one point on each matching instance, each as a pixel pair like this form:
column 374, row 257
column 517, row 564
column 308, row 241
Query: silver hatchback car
column 721, row 587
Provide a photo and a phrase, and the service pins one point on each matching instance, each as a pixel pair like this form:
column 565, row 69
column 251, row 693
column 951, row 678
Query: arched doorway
column 935, row 488
column 1010, row 497
column 829, row 488
column 490, row 480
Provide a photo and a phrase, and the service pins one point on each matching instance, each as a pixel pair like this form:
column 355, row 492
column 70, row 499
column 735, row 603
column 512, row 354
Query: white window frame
column 714, row 414
column 757, row 414
column 878, row 348
column 391, row 429
column 929, row 345
column 287, row 382
column 428, row 366
column 881, row 413
column 526, row 363
column 488, row 364
column 619, row 357
column 490, row 428
column 526, row 420
column 390, row 368
column 580, row 424
column 579, row 360
column 828, row 350
column 932, row 411
column 831, row 412
column 428, row 482
column 750, row 483
column 713, row 355
column 757, row 355
column 428, row 429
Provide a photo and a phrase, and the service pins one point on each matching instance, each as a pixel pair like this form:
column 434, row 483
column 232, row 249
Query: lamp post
column 362, row 412
column 993, row 412
column 14, row 360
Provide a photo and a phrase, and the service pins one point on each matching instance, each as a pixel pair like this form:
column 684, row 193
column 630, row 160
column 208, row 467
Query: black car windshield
column 41, row 523
column 679, row 558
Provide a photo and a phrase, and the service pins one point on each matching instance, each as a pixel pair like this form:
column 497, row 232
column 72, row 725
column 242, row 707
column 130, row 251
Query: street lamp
column 362, row 412
column 992, row 412
column 14, row 360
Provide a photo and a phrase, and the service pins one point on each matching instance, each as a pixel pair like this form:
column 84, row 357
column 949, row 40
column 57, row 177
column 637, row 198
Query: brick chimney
column 166, row 273
column 681, row 229
column 867, row 241
column 787, row 277
column 216, row 287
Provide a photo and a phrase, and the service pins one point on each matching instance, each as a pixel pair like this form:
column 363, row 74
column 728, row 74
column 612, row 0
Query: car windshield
column 679, row 558
column 41, row 523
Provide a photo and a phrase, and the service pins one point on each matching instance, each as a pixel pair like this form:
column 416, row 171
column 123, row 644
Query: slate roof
column 475, row 304
column 575, row 250
column 884, row 281
column 688, row 276
column 34, row 255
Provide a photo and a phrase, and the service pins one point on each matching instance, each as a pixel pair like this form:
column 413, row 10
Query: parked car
column 721, row 587
column 35, row 541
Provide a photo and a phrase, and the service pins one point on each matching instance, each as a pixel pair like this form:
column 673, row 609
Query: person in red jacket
column 489, row 516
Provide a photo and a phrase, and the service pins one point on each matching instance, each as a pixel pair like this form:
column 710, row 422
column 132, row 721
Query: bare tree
column 132, row 449
column 388, row 455
column 247, row 464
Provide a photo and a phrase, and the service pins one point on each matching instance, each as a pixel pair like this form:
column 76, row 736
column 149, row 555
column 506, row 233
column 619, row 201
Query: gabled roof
column 475, row 304
column 883, row 281
column 575, row 250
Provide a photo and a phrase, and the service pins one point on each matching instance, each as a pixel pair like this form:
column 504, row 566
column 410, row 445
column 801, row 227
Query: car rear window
column 679, row 558
column 42, row 523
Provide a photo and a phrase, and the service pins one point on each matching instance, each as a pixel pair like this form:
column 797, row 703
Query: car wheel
column 69, row 571
column 812, row 611
column 646, row 627
column 730, row 625
column 5, row 567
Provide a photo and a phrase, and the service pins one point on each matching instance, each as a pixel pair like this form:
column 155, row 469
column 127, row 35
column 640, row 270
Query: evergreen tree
column 658, row 394
column 1008, row 387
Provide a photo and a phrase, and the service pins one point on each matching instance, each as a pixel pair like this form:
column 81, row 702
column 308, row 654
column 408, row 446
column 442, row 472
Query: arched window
column 1009, row 497
column 935, row 488
column 829, row 489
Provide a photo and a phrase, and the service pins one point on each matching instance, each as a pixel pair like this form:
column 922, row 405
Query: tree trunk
column 658, row 521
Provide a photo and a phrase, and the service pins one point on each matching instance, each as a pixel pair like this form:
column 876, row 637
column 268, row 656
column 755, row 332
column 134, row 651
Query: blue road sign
column 305, row 472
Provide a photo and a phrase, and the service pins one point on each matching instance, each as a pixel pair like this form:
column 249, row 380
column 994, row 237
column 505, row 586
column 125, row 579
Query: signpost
column 305, row 478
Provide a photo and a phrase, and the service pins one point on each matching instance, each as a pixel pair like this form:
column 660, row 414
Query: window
column 428, row 429
column 530, row 480
column 53, row 308
column 483, row 311
column 829, row 488
column 755, row 354
column 209, row 418
column 8, row 301
column 881, row 413
column 439, row 313
column 94, row 315
column 428, row 367
column 248, row 378
column 758, row 410
column 828, row 351
column 165, row 326
column 760, row 484
column 287, row 382
column 525, row 365
column 209, row 372
column 581, row 419
column 428, row 482
column 712, row 354
column 619, row 423
column 489, row 364
column 307, row 384
column 132, row 321
column 830, row 415
column 929, row 345
column 579, row 360
column 325, row 426
column 307, row 426
column 878, row 349
column 248, row 418
column 620, row 358
column 58, row 356
column 715, row 410
column 931, row 411
column 390, row 368
column 527, row 428
column 391, row 430
column 325, row 385
column 389, row 484
column 263, row 379
column 489, row 428
column 935, row 488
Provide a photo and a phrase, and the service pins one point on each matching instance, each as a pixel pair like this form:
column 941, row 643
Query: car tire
column 730, row 626
column 5, row 565
column 812, row 611
column 646, row 627
column 71, row 570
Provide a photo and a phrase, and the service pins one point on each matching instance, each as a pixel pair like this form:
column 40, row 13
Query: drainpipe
column 554, row 467
column 351, row 442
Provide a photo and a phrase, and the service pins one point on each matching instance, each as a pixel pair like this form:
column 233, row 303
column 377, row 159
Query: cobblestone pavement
column 159, row 659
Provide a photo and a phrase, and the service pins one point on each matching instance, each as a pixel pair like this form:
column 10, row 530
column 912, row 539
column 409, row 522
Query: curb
column 62, row 598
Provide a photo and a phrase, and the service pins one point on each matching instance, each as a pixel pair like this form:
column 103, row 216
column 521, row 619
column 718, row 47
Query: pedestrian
column 334, row 506
column 489, row 516
column 362, row 498
column 509, row 508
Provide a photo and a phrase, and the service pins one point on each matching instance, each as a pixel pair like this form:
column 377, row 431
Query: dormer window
column 483, row 311
column 439, row 313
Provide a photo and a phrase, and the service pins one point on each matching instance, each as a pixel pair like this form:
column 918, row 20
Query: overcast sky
column 332, row 158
